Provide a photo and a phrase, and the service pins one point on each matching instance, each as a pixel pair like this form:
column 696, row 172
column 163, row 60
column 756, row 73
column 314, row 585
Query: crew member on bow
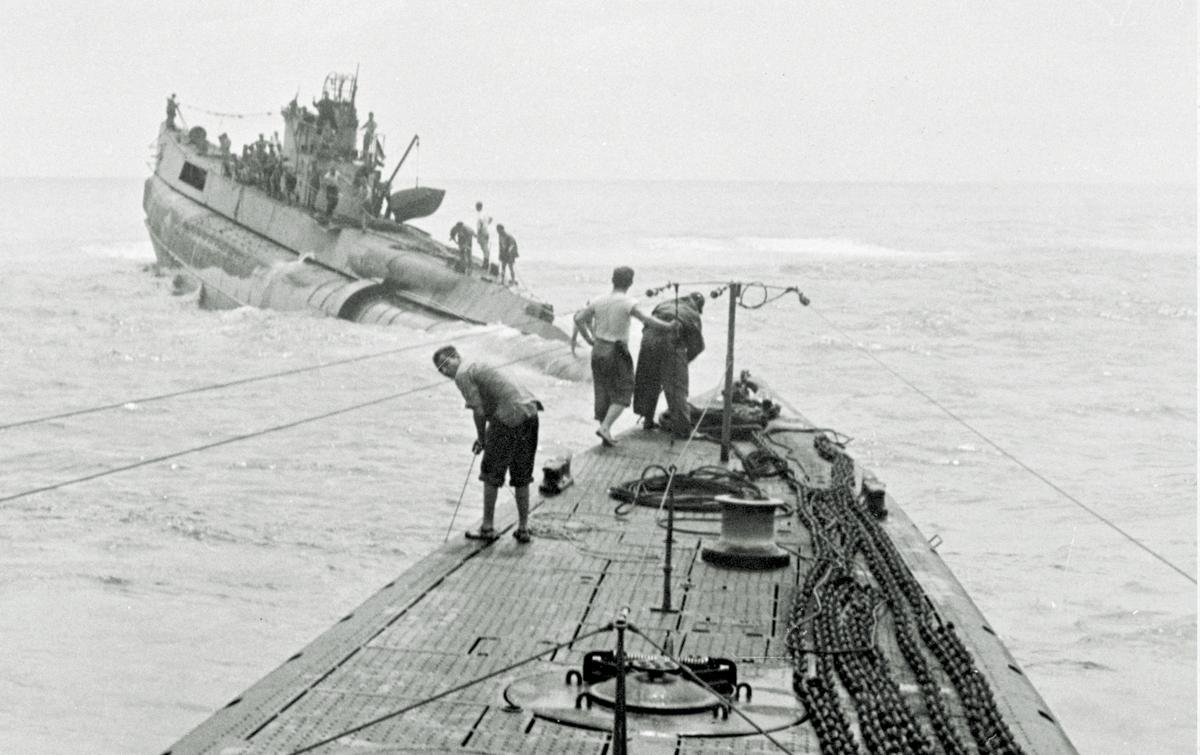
column 506, row 431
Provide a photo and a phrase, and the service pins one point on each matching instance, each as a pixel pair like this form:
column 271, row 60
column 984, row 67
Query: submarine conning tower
column 231, row 218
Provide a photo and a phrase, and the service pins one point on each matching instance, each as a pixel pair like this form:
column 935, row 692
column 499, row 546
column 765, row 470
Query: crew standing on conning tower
column 368, row 142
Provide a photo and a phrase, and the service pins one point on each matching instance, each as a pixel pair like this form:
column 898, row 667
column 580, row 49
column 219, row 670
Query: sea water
column 1016, row 363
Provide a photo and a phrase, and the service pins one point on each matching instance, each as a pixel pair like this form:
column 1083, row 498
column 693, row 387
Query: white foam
column 142, row 251
column 831, row 246
column 714, row 250
column 693, row 245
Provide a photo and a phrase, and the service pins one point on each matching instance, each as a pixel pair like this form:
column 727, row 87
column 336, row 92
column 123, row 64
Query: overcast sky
column 944, row 90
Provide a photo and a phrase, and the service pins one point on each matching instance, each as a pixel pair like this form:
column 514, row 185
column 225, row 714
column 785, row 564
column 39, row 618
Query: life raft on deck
column 418, row 202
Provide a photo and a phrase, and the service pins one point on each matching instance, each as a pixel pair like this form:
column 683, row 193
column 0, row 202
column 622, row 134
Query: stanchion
column 670, row 541
column 735, row 292
column 619, row 734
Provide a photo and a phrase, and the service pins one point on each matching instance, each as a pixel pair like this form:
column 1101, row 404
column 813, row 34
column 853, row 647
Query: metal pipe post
column 735, row 292
column 666, row 604
column 619, row 736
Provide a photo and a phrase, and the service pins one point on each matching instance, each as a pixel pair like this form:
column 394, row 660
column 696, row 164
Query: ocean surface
column 1017, row 363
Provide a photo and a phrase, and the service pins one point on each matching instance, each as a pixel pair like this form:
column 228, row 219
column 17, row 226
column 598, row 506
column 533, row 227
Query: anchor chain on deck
column 832, row 639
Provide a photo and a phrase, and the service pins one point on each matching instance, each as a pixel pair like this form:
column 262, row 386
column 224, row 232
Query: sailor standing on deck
column 483, row 232
column 172, row 109
column 313, row 186
column 368, row 130
column 362, row 194
column 225, row 143
column 325, row 113
column 330, row 182
column 462, row 235
column 662, row 364
column 604, row 324
column 506, row 431
column 508, row 253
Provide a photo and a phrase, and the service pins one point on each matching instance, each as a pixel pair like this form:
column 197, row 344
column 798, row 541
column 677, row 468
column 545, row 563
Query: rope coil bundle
column 694, row 491
column 748, row 416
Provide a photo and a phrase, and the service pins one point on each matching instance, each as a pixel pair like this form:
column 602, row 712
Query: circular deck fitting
column 747, row 535
column 656, row 692
column 549, row 698
column 660, row 664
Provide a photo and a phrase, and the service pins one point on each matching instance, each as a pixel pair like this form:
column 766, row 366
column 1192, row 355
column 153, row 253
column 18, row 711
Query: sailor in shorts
column 506, row 428
column 604, row 323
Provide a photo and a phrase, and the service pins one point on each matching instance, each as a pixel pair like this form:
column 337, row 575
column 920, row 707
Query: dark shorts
column 509, row 449
column 612, row 375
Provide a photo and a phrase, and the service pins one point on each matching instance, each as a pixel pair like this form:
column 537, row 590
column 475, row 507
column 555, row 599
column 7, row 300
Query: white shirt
column 610, row 315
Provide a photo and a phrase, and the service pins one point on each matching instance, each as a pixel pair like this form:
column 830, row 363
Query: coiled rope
column 693, row 491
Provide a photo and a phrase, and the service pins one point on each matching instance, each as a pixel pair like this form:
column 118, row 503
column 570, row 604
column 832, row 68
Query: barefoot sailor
column 604, row 323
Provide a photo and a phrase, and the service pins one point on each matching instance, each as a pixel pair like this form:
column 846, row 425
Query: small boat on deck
column 417, row 202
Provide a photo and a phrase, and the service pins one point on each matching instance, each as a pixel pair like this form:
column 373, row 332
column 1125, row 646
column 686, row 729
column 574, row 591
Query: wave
column 829, row 246
column 693, row 245
column 732, row 250
column 142, row 251
column 1175, row 312
column 1148, row 410
column 502, row 345
column 1148, row 309
column 1072, row 664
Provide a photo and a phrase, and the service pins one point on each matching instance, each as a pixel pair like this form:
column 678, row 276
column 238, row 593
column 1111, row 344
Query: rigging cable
column 1100, row 517
column 642, row 573
column 671, row 469
column 695, row 678
column 218, row 386
column 206, row 111
column 247, row 436
column 452, row 690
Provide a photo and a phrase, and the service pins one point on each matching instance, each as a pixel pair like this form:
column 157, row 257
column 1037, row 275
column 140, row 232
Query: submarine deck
column 469, row 610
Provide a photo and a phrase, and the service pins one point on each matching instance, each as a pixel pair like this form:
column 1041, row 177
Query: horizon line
column 848, row 181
